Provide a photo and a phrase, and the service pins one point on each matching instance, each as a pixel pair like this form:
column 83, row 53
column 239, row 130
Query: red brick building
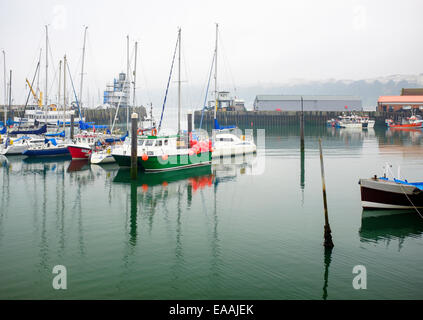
column 396, row 103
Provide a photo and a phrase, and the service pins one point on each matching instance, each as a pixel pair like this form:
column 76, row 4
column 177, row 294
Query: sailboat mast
column 126, row 87
column 10, row 92
column 179, row 81
column 64, row 92
column 46, row 90
column 5, row 87
column 215, row 74
column 135, row 75
column 82, row 67
column 60, row 83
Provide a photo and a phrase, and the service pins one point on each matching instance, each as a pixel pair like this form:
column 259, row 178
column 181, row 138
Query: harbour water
column 249, row 230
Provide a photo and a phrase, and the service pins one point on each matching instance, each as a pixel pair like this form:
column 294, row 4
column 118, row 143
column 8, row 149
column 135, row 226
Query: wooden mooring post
column 134, row 156
column 328, row 236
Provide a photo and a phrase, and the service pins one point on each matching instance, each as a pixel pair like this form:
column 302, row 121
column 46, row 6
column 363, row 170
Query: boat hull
column 406, row 126
column 228, row 151
column 47, row 152
column 79, row 152
column 382, row 194
column 100, row 158
column 173, row 162
column 13, row 150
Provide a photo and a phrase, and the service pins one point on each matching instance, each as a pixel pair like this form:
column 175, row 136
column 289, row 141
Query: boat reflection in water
column 386, row 225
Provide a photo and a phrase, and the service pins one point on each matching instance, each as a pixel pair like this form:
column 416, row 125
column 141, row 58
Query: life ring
column 140, row 132
column 154, row 132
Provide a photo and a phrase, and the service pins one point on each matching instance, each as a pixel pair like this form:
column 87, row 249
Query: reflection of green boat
column 150, row 179
column 390, row 225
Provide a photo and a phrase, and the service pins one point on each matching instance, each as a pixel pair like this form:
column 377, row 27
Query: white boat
column 19, row 145
column 355, row 122
column 226, row 142
column 102, row 156
column 229, row 144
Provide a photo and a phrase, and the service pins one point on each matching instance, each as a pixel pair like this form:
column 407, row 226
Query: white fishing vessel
column 355, row 122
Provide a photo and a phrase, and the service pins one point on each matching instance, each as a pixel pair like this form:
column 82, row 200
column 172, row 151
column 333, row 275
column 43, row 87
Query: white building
column 117, row 93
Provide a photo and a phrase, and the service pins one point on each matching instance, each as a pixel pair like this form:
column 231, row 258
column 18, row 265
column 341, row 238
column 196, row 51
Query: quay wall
column 263, row 119
column 99, row 116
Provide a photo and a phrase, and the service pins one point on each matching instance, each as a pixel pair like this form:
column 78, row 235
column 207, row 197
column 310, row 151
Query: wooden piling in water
column 134, row 156
column 328, row 243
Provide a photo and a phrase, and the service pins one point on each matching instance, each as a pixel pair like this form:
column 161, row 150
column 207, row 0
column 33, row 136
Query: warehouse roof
column 279, row 97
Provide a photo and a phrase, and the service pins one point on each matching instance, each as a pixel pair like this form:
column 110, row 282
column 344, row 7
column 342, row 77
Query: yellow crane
column 39, row 100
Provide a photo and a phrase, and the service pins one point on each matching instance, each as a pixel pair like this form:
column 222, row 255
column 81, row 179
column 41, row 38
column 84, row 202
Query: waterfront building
column 273, row 102
column 398, row 103
column 118, row 92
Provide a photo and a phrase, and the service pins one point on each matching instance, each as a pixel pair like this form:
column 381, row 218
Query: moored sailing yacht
column 226, row 142
column 158, row 152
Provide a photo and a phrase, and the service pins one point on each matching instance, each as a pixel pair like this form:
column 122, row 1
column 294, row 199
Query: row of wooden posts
column 328, row 243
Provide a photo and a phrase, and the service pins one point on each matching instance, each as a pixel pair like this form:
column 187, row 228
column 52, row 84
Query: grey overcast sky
column 261, row 41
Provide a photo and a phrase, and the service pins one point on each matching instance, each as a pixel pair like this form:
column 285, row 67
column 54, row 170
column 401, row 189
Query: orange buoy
column 144, row 157
column 164, row 157
column 144, row 187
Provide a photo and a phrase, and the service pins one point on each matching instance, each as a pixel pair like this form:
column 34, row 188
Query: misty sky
column 261, row 42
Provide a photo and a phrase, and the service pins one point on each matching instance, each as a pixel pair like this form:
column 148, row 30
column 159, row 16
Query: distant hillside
column 369, row 90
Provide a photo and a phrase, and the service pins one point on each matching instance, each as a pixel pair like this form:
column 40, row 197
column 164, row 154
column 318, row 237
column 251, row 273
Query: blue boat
column 50, row 148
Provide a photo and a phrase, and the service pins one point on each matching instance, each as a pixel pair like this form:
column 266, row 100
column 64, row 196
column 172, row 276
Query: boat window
column 140, row 142
column 159, row 143
column 166, row 142
column 149, row 143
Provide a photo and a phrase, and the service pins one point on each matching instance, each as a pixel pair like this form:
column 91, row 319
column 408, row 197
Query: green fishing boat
column 158, row 152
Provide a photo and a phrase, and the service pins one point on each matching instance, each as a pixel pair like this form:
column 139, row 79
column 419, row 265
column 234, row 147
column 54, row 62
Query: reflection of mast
column 328, row 259
column 133, row 218
column 302, row 179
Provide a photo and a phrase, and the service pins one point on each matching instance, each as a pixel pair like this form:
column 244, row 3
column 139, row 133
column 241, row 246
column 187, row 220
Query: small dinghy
column 385, row 193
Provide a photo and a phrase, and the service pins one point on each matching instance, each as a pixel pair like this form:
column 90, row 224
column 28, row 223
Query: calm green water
column 250, row 230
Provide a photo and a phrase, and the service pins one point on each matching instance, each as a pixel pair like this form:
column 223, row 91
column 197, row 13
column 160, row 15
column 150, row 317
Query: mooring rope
column 403, row 190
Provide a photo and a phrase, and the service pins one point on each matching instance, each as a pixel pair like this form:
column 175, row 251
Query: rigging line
column 29, row 92
column 207, row 90
column 168, row 82
column 226, row 62
column 92, row 62
column 34, row 61
column 54, row 68
column 74, row 92
column 403, row 190
column 147, row 89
